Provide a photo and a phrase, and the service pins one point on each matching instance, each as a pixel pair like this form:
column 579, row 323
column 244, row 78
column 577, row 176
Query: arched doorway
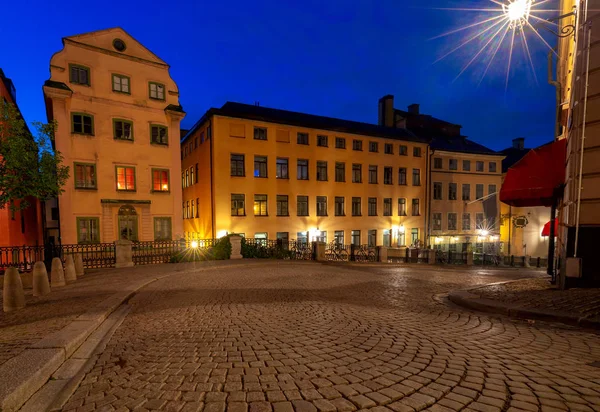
column 128, row 223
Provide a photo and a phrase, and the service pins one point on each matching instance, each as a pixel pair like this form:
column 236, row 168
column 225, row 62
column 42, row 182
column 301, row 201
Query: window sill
column 122, row 139
column 322, row 180
column 373, row 215
column 261, row 215
column 120, row 92
column 357, row 150
column 166, row 192
column 303, row 144
column 340, row 181
column 283, row 215
column 261, row 177
column 283, row 178
column 161, row 144
column 157, row 99
column 340, row 215
column 238, row 215
column 356, row 215
column 83, row 134
column 302, row 179
column 302, row 215
column 126, row 191
column 264, row 140
column 237, row 175
column 322, row 215
column 373, row 183
column 80, row 84
column 86, row 188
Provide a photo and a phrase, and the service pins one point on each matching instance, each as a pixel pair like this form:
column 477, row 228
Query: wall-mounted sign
column 520, row 221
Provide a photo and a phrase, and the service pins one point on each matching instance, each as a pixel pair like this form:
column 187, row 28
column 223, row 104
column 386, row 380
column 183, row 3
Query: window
column 491, row 189
column 157, row 91
column 401, row 206
column 387, row 175
column 302, row 206
column 466, row 221
column 372, row 240
column 401, row 238
column 282, row 205
column 372, row 210
column 339, row 206
column 373, row 174
column 387, row 206
column 478, row 191
column 388, row 148
column 414, row 235
column 451, row 221
column 260, row 166
column 403, row 150
column 187, row 178
column 281, row 171
column 356, row 173
column 183, row 209
column 208, row 132
column 302, row 169
column 238, row 167
column 125, row 178
column 355, row 237
column 466, row 191
column 416, row 177
column 416, row 151
column 302, row 138
column 479, row 221
column 402, row 176
column 54, row 213
column 322, row 140
column 183, row 179
column 340, row 143
column 302, row 237
column 284, row 237
column 356, row 206
column 193, row 209
column 437, row 191
column 85, row 176
column 467, row 165
column 437, row 163
column 415, row 208
column 120, row 84
column 437, row 221
column 260, row 205
column 453, row 164
column 373, row 147
column 88, row 230
column 387, row 238
column 197, row 207
column 196, row 181
column 79, row 74
column 260, row 133
column 82, row 123
column 357, row 145
column 340, row 172
column 479, row 166
column 160, row 180
column 122, row 129
column 238, row 205
column 338, row 237
column 321, row 205
column 187, row 211
column 321, row 170
column 492, row 167
column 158, row 134
column 452, row 189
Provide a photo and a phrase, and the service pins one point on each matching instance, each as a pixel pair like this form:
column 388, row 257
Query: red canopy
column 533, row 179
column 546, row 229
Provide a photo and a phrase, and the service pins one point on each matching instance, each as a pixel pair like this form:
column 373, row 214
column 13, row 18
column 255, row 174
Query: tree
column 29, row 167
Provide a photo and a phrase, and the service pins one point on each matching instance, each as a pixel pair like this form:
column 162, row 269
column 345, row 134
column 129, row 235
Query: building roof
column 513, row 155
column 250, row 112
column 57, row 85
column 461, row 144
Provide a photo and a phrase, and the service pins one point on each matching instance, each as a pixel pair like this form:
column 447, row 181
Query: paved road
column 288, row 336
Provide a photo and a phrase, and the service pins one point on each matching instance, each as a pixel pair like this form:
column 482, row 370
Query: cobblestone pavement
column 46, row 314
column 538, row 294
column 285, row 336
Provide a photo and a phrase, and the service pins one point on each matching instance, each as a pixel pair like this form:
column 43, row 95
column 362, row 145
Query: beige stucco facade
column 118, row 115
column 210, row 198
column 457, row 216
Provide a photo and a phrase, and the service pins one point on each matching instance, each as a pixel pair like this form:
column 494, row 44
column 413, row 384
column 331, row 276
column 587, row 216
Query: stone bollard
column 13, row 295
column 57, row 274
column 526, row 262
column 79, row 265
column 124, row 253
column 236, row 247
column 70, row 275
column 320, row 251
column 470, row 258
column 382, row 252
column 41, row 286
column 431, row 257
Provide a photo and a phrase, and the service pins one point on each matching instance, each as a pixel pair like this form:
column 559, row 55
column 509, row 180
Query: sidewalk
column 534, row 299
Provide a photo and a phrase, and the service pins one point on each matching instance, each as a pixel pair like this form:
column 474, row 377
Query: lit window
column 88, row 230
column 160, row 180
column 125, row 178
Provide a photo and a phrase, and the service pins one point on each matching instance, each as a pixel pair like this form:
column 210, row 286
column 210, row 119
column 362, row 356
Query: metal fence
column 277, row 249
column 21, row 257
column 148, row 253
column 363, row 253
column 94, row 255
column 336, row 252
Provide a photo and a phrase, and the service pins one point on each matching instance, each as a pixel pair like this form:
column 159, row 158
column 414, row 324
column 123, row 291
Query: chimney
column 413, row 108
column 519, row 143
column 386, row 111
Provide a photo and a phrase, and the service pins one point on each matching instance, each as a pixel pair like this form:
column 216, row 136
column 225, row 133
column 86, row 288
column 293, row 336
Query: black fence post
column 512, row 260
column 539, row 261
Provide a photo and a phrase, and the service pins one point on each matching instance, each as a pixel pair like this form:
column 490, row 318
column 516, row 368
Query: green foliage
column 220, row 251
column 262, row 251
column 28, row 165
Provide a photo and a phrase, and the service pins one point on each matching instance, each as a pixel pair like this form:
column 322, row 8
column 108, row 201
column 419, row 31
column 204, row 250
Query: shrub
column 221, row 250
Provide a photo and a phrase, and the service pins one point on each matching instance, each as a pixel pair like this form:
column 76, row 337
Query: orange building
column 276, row 174
column 22, row 227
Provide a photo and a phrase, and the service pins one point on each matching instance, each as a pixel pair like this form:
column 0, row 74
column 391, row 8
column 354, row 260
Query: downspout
column 551, row 242
column 212, row 193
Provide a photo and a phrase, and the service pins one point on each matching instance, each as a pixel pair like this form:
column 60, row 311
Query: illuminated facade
column 118, row 119
column 268, row 173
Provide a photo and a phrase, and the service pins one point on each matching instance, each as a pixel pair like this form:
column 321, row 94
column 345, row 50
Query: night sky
column 333, row 58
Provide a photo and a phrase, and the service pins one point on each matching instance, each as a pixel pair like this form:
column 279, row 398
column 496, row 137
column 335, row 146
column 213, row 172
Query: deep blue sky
column 333, row 58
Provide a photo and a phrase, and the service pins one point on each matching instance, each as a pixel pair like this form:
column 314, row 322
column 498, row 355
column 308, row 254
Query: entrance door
column 128, row 223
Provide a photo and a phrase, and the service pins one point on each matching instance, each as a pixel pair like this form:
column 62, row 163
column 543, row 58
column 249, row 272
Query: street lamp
column 517, row 12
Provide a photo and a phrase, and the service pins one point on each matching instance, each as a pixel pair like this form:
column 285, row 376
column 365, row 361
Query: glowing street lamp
column 194, row 245
column 517, row 12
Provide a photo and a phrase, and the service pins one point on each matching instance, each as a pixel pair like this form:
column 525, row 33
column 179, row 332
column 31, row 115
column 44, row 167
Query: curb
column 22, row 376
column 466, row 298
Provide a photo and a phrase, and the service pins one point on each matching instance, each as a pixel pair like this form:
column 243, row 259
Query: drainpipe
column 557, row 85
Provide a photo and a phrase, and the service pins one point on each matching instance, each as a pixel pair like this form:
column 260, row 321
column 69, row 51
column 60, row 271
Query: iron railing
column 94, row 255
column 277, row 249
column 363, row 253
column 336, row 252
column 21, row 257
column 147, row 253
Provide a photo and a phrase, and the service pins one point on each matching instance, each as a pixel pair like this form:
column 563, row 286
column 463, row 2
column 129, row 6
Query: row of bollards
column 13, row 294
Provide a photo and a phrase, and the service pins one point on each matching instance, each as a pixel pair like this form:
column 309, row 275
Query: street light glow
column 194, row 245
column 518, row 11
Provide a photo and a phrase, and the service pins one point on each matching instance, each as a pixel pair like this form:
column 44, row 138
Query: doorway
column 128, row 223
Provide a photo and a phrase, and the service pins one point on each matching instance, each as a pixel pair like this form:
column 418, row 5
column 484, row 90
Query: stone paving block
column 237, row 407
column 303, row 406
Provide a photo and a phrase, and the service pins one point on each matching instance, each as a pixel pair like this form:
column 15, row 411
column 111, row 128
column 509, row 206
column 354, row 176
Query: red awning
column 546, row 229
column 533, row 179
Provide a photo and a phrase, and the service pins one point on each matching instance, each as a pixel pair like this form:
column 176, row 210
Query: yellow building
column 268, row 173
column 118, row 117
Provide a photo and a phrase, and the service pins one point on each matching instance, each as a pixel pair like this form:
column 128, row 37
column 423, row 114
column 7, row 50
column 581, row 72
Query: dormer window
column 119, row 45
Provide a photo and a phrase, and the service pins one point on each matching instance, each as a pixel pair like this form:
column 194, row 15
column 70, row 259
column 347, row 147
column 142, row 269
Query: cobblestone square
column 296, row 336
